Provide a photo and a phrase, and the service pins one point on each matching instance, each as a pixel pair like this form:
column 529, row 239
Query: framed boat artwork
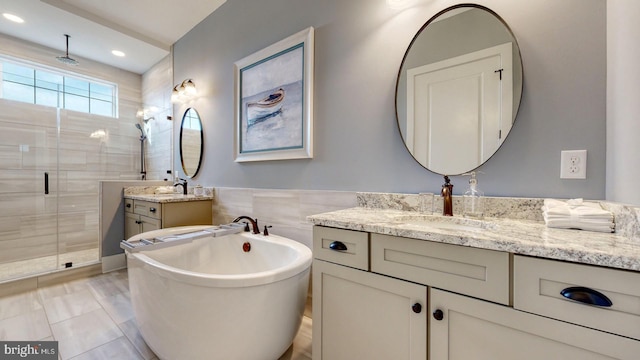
column 274, row 101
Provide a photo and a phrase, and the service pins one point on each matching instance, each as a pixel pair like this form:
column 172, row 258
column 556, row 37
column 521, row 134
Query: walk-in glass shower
column 51, row 162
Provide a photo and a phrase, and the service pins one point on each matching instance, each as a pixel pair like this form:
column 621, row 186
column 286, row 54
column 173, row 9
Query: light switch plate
column 573, row 164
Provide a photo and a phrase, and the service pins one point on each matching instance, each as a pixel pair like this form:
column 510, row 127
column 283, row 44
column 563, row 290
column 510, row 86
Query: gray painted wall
column 359, row 47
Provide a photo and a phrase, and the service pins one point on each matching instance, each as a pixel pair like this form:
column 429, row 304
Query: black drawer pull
column 438, row 315
column 586, row 296
column 128, row 205
column 152, row 209
column 337, row 246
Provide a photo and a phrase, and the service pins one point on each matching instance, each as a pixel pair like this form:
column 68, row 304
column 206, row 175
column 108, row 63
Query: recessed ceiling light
column 13, row 18
column 117, row 53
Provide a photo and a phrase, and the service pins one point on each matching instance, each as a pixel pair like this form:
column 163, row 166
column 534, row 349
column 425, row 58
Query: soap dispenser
column 473, row 199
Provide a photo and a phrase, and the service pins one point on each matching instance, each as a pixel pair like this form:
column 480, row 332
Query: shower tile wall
column 91, row 148
column 157, row 84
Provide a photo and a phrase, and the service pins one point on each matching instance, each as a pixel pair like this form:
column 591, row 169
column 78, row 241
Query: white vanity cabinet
column 474, row 329
column 142, row 216
column 482, row 304
column 358, row 314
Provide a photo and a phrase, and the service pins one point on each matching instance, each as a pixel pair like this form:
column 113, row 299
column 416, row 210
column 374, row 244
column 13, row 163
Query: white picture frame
column 274, row 101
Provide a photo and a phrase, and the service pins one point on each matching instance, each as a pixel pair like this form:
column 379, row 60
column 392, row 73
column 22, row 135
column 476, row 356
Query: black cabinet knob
column 417, row 308
column 438, row 314
column 152, row 209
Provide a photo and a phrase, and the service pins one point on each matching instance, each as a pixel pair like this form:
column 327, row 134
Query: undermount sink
column 445, row 222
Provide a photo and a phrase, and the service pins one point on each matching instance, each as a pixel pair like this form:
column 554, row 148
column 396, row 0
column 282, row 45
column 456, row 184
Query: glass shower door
column 28, row 190
column 83, row 161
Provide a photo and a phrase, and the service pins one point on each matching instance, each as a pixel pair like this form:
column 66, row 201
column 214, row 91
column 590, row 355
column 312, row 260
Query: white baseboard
column 114, row 262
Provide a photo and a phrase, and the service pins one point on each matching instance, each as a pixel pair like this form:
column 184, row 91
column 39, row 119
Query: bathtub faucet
column 254, row 223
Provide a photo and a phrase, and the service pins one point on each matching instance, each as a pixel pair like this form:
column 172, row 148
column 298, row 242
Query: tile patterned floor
column 92, row 319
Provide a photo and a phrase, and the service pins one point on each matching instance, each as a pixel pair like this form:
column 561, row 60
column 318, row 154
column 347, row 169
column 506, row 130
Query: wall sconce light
column 184, row 91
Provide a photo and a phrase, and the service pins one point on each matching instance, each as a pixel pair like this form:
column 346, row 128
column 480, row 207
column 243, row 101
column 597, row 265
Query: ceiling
column 143, row 29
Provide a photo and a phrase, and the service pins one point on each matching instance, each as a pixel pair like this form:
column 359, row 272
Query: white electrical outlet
column 573, row 164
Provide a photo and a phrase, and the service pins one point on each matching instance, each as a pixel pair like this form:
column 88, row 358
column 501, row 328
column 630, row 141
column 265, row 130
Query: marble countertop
column 165, row 194
column 167, row 198
column 525, row 237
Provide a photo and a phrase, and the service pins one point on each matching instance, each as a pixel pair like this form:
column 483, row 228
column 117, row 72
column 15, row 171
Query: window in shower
column 28, row 83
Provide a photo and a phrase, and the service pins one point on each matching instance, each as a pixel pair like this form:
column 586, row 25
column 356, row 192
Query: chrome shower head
column 66, row 59
column 142, row 134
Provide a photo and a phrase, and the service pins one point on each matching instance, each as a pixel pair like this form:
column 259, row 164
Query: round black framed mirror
column 191, row 142
column 459, row 89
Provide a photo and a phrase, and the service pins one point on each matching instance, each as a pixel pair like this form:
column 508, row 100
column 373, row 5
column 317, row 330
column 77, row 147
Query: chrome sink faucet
column 447, row 197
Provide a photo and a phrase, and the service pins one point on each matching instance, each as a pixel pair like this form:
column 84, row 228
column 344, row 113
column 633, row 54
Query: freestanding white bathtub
column 209, row 299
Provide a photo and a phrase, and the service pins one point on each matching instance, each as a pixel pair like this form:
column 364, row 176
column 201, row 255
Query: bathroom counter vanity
column 148, row 211
column 393, row 284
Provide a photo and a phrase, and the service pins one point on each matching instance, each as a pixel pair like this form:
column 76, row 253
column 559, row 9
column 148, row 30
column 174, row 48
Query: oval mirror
column 191, row 142
column 459, row 89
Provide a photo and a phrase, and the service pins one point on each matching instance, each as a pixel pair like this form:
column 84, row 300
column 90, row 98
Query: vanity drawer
column 475, row 272
column 128, row 205
column 538, row 284
column 345, row 247
column 147, row 208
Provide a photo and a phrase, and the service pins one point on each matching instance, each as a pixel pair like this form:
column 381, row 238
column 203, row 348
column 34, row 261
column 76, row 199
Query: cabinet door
column 131, row 225
column 148, row 224
column 360, row 315
column 480, row 330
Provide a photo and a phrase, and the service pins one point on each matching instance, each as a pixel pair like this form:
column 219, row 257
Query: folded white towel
column 585, row 209
column 577, row 214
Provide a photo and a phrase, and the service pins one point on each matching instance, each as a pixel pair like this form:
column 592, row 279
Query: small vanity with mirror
column 149, row 208
column 393, row 281
column 155, row 207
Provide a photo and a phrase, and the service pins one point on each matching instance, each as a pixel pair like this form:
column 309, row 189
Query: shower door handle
column 46, row 183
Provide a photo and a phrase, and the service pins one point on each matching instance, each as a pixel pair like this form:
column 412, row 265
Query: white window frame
column 65, row 74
